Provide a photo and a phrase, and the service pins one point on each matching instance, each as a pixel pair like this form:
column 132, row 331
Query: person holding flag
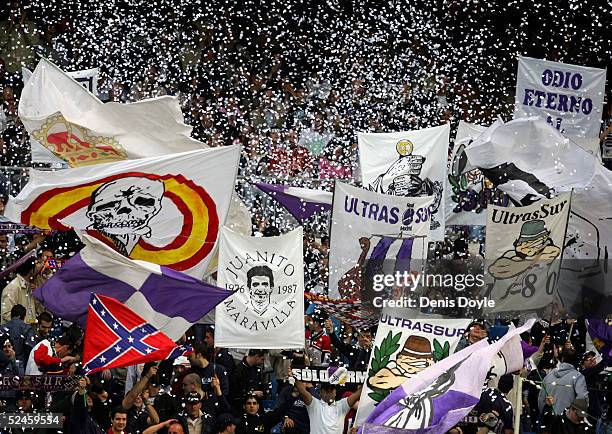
column 56, row 358
column 325, row 413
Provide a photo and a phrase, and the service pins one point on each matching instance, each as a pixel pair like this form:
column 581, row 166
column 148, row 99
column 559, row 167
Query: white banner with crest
column 408, row 163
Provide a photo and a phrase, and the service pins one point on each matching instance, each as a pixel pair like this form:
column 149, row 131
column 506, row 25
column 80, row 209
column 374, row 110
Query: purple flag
column 601, row 334
column 437, row 398
column 528, row 350
column 169, row 300
column 302, row 203
column 404, row 256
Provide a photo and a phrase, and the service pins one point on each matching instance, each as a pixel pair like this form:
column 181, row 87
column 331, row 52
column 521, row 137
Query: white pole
column 518, row 402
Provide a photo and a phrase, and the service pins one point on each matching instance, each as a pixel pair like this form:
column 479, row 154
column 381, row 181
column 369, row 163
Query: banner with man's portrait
column 267, row 277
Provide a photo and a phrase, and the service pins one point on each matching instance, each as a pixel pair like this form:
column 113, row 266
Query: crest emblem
column 75, row 144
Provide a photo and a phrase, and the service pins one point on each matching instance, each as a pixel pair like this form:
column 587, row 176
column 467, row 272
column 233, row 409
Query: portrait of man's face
column 260, row 289
column 260, row 286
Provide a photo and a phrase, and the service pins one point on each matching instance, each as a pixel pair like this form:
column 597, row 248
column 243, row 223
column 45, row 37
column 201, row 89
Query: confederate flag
column 115, row 336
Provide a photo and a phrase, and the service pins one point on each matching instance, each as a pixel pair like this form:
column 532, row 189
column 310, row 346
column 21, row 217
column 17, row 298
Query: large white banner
column 369, row 226
column 88, row 78
column 468, row 192
column 77, row 127
column 529, row 159
column 267, row 276
column 405, row 346
column 408, row 163
column 524, row 246
column 165, row 210
column 569, row 97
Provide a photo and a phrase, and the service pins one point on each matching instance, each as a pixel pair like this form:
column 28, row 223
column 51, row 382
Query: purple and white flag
column 406, row 344
column 372, row 230
column 437, row 398
column 169, row 300
column 302, row 203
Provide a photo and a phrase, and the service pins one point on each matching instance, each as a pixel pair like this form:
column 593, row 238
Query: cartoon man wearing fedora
column 414, row 357
column 534, row 245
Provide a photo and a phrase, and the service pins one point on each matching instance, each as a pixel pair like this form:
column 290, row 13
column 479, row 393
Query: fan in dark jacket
column 80, row 418
column 254, row 421
column 357, row 355
column 247, row 378
column 571, row 421
column 21, row 335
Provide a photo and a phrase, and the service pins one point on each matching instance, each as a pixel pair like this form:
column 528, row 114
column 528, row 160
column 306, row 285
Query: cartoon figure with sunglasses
column 260, row 281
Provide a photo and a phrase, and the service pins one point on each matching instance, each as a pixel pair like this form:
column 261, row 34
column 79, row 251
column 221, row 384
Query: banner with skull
column 408, row 163
column 405, row 346
column 165, row 210
column 468, row 192
column 524, row 247
column 373, row 230
column 267, row 277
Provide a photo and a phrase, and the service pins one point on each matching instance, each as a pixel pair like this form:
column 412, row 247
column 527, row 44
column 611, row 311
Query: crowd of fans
column 291, row 82
column 565, row 388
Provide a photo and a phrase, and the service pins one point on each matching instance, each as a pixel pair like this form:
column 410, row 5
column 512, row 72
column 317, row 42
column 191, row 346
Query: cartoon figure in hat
column 534, row 245
column 414, row 357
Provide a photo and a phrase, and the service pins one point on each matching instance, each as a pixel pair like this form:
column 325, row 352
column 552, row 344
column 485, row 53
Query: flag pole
column 518, row 403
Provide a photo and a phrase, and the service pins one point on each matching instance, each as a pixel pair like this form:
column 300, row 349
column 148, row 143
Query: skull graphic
column 122, row 209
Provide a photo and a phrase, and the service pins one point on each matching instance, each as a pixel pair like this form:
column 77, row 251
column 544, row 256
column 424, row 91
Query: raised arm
column 128, row 400
column 335, row 340
column 153, row 416
column 354, row 397
column 155, row 428
column 305, row 394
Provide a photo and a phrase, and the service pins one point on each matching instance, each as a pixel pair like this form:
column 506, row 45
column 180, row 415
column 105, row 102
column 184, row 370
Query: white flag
column 165, row 210
column 408, row 163
column 88, row 78
column 569, row 97
column 524, row 247
column 370, row 230
column 76, row 126
column 267, row 277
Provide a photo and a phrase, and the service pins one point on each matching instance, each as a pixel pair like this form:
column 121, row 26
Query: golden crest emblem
column 75, row 144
